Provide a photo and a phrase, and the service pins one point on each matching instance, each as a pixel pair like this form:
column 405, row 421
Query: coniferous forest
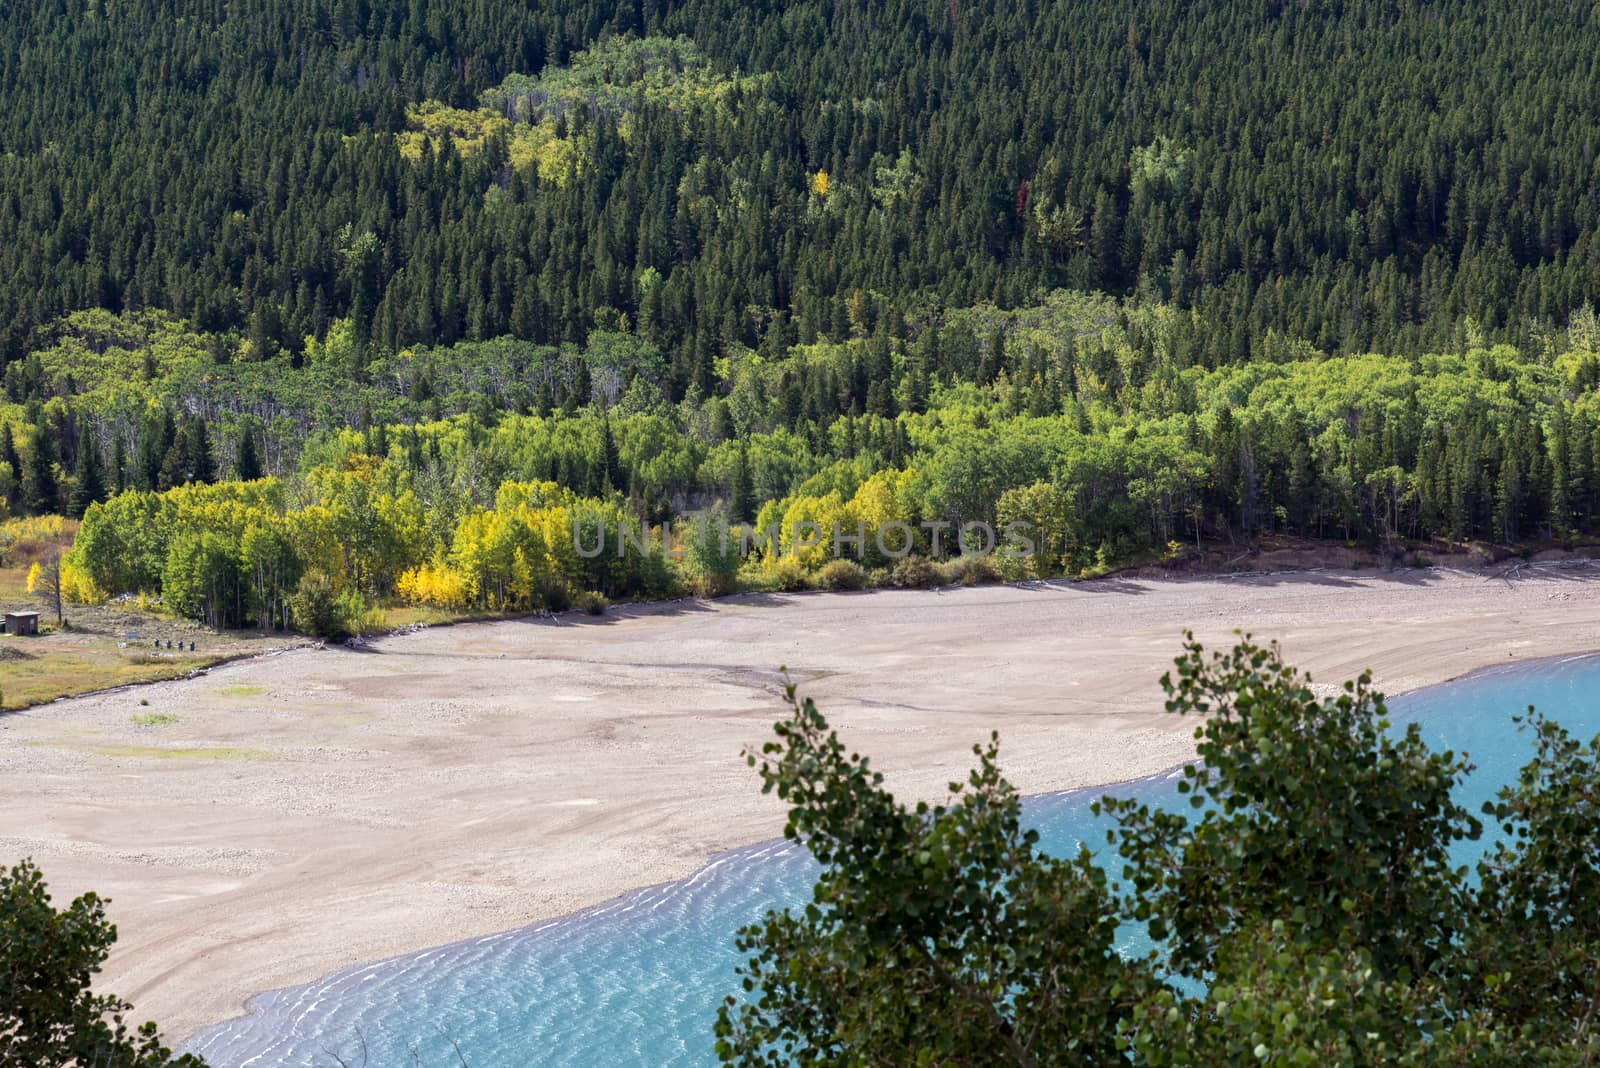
column 332, row 302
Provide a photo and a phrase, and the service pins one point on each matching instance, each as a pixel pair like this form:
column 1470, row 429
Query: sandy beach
column 327, row 806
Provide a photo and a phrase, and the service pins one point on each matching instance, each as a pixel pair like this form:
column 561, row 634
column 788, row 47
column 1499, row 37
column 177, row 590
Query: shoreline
column 600, row 910
column 382, row 802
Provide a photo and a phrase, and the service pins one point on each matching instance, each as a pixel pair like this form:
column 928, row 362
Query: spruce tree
column 246, row 463
column 88, row 482
column 41, row 491
column 8, row 449
column 173, row 470
column 119, row 465
column 200, row 461
column 10, row 464
column 156, row 441
column 610, row 462
column 742, row 508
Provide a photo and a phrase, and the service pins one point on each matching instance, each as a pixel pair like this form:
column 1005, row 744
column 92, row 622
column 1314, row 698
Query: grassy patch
column 396, row 617
column 13, row 584
column 242, row 691
column 104, row 646
column 154, row 719
column 65, row 672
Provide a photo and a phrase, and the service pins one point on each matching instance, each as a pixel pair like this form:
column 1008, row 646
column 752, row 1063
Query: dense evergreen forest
column 1363, row 175
column 397, row 274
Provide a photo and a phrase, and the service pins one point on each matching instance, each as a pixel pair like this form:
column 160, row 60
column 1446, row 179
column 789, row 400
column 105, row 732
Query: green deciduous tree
column 937, row 935
column 1307, row 914
column 49, row 1016
column 203, row 578
column 712, row 550
column 1367, row 865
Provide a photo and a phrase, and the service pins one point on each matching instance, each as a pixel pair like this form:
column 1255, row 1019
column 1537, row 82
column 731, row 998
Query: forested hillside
column 1363, row 175
column 1141, row 277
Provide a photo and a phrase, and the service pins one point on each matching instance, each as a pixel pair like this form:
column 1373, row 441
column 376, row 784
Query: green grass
column 242, row 691
column 65, row 672
column 94, row 651
column 154, row 719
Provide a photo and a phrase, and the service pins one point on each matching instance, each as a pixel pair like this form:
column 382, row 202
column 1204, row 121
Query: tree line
column 1070, row 420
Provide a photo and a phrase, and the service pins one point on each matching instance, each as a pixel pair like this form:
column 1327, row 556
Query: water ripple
column 637, row 981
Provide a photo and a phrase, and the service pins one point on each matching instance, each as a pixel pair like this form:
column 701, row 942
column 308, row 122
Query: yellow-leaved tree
column 44, row 582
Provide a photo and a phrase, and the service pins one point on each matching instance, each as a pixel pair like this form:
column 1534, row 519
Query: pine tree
column 198, row 457
column 742, row 508
column 119, row 465
column 10, row 464
column 610, row 462
column 41, row 491
column 246, row 463
column 88, row 484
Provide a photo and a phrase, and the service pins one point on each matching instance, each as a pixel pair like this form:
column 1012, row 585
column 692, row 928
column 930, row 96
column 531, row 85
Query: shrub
column 969, row 571
column 315, row 608
column 591, row 602
column 914, row 572
column 1013, row 566
column 658, row 579
column 554, row 594
column 841, row 575
column 709, row 585
column 27, row 541
column 435, row 584
column 358, row 615
column 786, row 573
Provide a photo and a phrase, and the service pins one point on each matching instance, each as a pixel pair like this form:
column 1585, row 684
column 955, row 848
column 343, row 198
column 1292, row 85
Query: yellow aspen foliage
column 821, row 184
column 440, row 586
column 78, row 586
column 879, row 502
column 808, row 528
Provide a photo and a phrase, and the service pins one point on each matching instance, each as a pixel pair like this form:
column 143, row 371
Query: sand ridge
column 323, row 807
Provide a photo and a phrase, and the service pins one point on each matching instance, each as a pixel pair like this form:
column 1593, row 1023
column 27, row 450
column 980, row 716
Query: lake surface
column 638, row 981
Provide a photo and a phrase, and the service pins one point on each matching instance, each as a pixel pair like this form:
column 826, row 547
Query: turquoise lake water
column 637, row 981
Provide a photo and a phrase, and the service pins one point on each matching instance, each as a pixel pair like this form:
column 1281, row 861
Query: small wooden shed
column 22, row 622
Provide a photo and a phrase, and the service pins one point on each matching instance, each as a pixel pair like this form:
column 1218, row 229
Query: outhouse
column 22, row 622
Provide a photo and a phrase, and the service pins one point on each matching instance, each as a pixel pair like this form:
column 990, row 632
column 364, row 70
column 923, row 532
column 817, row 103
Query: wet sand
column 322, row 807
